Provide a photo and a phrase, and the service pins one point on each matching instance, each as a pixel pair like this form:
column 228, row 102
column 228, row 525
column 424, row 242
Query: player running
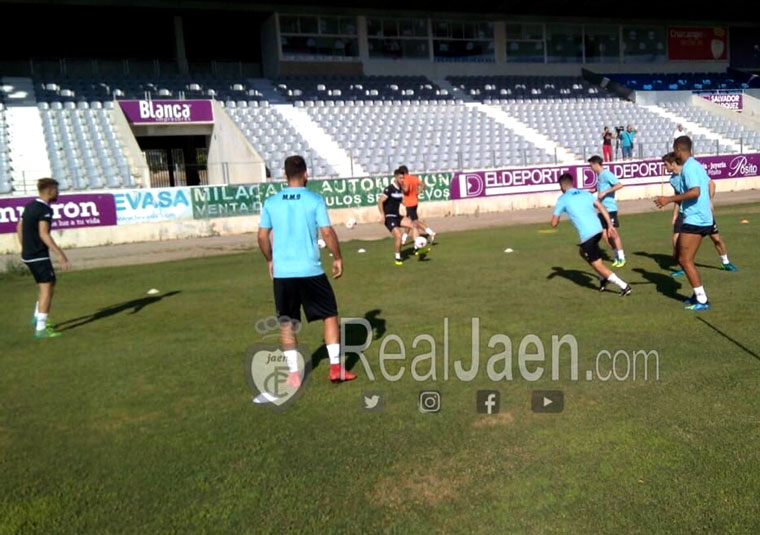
column 579, row 206
column 293, row 216
column 606, row 186
column 676, row 182
column 389, row 204
column 697, row 218
column 412, row 187
column 33, row 231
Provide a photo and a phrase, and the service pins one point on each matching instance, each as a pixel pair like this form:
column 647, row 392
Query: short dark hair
column 46, row 184
column 596, row 159
column 670, row 157
column 566, row 178
column 683, row 143
column 398, row 172
column 295, row 166
column 404, row 169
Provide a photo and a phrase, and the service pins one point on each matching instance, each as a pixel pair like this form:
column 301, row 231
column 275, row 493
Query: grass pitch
column 139, row 419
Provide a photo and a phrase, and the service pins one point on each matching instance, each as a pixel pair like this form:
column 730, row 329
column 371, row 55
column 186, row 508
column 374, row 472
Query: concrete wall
column 192, row 228
column 135, row 156
column 751, row 105
column 231, row 158
column 648, row 98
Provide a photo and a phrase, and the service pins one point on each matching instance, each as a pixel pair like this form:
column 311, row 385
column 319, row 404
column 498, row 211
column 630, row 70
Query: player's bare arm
column 265, row 246
column 333, row 245
column 555, row 221
column 20, row 232
column 692, row 193
column 712, row 189
column 381, row 207
column 47, row 239
column 676, row 206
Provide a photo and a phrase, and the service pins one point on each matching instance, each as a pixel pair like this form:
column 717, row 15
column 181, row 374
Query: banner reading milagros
column 246, row 199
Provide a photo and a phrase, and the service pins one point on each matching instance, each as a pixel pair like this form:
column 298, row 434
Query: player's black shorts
column 613, row 218
column 42, row 270
column 411, row 213
column 678, row 224
column 591, row 249
column 314, row 294
column 714, row 228
column 698, row 229
column 392, row 222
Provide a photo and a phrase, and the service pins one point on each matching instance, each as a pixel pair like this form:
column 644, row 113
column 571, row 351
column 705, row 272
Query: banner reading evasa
column 167, row 111
column 697, row 43
column 70, row 211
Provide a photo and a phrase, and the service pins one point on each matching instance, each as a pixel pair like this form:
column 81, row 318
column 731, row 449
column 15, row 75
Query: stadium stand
column 496, row 88
column 83, row 149
column 307, row 89
column 274, row 137
column 86, row 89
column 736, row 132
column 430, row 136
column 577, row 124
column 677, row 81
column 6, row 184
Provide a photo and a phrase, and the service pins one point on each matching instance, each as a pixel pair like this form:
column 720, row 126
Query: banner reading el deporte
column 210, row 202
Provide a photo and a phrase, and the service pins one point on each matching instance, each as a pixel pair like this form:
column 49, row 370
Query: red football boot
column 335, row 374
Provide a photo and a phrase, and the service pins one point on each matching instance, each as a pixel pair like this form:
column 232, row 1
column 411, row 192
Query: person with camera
column 626, row 141
column 607, row 144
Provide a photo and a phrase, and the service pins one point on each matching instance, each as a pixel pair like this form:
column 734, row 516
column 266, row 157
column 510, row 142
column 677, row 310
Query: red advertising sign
column 697, row 43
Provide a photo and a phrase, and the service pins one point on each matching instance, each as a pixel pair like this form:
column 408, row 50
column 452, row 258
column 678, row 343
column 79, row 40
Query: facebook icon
column 487, row 402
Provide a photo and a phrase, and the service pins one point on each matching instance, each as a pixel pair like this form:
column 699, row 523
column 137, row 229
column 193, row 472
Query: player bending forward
column 676, row 182
column 581, row 206
column 412, row 186
column 389, row 204
column 293, row 216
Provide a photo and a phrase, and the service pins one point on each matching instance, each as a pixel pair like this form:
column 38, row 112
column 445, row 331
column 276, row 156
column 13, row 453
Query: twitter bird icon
column 371, row 401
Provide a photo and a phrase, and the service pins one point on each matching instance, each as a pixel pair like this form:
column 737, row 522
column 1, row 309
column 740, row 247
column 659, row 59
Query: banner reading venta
column 167, row 111
column 70, row 211
column 545, row 179
column 229, row 201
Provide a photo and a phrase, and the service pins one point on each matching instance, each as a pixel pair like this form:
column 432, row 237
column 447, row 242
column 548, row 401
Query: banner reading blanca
column 210, row 202
column 167, row 111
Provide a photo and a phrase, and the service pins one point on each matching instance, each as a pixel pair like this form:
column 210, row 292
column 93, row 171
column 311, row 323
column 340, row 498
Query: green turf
column 139, row 419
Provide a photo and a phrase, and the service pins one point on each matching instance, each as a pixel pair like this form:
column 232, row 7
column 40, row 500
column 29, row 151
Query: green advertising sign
column 246, row 199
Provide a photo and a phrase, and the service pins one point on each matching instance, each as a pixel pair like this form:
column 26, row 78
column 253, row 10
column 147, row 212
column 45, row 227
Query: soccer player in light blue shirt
column 292, row 218
column 606, row 186
column 676, row 182
column 581, row 207
column 697, row 218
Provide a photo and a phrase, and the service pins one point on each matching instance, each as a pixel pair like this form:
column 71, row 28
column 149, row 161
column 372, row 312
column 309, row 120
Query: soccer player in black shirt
column 389, row 203
column 36, row 242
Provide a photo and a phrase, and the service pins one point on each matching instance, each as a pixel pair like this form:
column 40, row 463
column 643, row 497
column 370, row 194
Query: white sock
column 429, row 231
column 398, row 256
column 37, row 305
column 41, row 321
column 333, row 351
column 621, row 254
column 404, row 237
column 291, row 355
column 699, row 291
column 617, row 280
column 724, row 259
